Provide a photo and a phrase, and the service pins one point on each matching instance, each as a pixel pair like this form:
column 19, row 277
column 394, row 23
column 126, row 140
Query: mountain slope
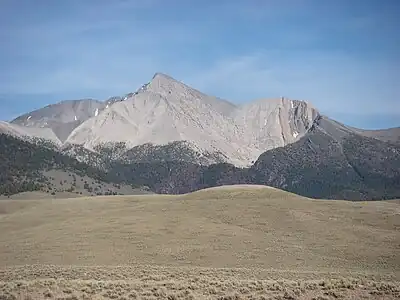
column 25, row 166
column 31, row 134
column 331, row 161
column 386, row 135
column 62, row 117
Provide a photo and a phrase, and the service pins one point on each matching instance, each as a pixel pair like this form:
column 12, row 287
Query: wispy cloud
column 334, row 82
column 109, row 50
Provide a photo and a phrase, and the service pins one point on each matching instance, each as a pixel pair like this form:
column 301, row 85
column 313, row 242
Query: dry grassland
column 224, row 243
column 156, row 282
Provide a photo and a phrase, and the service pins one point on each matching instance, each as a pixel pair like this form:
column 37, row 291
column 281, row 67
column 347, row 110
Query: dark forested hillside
column 175, row 151
column 314, row 166
column 22, row 165
column 320, row 166
column 376, row 163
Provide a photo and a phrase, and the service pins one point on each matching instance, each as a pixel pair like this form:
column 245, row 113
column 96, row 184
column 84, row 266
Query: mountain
column 63, row 117
column 170, row 117
column 165, row 111
column 31, row 134
column 174, row 139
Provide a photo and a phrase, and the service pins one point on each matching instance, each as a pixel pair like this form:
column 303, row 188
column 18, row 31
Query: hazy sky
column 343, row 56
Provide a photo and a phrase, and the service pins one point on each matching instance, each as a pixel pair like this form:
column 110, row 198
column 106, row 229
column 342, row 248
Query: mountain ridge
column 176, row 139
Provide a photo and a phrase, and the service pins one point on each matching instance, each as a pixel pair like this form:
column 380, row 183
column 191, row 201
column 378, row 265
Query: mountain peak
column 162, row 80
column 165, row 84
column 159, row 75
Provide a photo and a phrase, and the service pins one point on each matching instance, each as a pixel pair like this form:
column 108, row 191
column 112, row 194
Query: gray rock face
column 63, row 117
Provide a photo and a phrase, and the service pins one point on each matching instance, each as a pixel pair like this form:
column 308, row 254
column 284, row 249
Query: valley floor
column 220, row 243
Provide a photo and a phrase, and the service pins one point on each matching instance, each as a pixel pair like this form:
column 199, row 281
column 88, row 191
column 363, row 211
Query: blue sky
column 342, row 56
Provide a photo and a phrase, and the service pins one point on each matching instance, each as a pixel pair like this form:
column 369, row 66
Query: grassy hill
column 230, row 242
column 218, row 227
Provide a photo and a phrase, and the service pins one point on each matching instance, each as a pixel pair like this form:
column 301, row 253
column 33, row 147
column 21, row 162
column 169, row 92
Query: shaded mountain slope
column 333, row 162
column 62, row 117
column 26, row 167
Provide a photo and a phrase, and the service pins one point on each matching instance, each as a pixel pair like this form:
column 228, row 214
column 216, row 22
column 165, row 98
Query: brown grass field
column 221, row 243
